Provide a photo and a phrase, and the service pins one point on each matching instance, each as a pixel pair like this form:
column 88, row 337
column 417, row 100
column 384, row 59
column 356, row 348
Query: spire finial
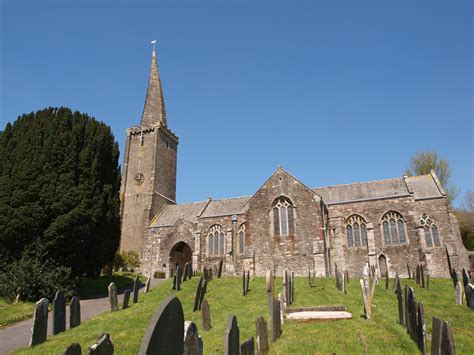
column 154, row 45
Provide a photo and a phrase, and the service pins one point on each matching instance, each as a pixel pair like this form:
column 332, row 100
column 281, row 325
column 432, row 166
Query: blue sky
column 335, row 92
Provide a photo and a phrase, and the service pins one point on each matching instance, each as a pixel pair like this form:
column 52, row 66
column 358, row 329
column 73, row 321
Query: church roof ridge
column 360, row 182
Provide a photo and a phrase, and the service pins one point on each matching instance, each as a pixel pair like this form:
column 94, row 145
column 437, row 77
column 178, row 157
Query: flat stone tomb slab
column 316, row 309
column 315, row 316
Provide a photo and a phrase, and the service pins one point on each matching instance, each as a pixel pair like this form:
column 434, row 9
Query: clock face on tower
column 139, row 179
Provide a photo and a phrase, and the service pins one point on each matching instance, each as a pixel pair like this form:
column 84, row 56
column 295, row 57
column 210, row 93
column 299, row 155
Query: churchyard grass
column 14, row 312
column 380, row 335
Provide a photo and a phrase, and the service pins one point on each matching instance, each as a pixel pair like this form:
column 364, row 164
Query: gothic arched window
column 242, row 239
column 216, row 241
column 393, row 228
column 283, row 217
column 430, row 230
column 356, row 231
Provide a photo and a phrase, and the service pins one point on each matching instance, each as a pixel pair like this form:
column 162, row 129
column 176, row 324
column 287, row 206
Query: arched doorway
column 383, row 268
column 180, row 253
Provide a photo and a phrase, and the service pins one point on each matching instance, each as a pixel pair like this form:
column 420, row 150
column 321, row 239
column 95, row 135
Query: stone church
column 285, row 223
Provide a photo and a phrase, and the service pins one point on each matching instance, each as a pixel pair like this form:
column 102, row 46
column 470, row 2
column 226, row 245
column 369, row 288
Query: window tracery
column 283, row 217
column 241, row 234
column 216, row 241
column 394, row 228
column 430, row 230
column 356, row 231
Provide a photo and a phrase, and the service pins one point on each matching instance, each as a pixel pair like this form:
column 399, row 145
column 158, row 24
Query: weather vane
column 154, row 44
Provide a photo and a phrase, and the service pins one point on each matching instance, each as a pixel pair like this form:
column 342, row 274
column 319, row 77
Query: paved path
column 18, row 335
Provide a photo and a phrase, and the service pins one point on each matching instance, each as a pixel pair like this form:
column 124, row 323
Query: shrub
column 159, row 275
column 126, row 260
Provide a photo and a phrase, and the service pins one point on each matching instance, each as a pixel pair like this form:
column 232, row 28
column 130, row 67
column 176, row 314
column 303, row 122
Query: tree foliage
column 126, row 260
column 59, row 191
column 465, row 216
column 423, row 162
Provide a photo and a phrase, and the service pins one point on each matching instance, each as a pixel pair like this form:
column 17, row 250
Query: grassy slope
column 381, row 335
column 14, row 312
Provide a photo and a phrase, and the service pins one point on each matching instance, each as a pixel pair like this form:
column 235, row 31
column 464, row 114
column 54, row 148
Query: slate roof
column 225, row 207
column 171, row 213
column 423, row 186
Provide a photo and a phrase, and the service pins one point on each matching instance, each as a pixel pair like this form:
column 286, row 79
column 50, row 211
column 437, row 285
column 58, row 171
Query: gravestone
column 197, row 295
column 185, row 273
column 421, row 328
column 281, row 297
column 126, row 299
column 175, row 281
column 136, row 287
column 178, row 277
column 427, row 282
column 436, row 334
column 165, row 327
column 59, row 313
column 449, row 262
column 405, row 313
column 113, row 300
column 408, row 269
column 147, row 285
column 395, row 282
column 447, row 340
column 275, row 319
column 458, row 293
column 232, row 337
column 309, row 278
column 73, row 349
column 244, row 275
column 190, row 271
column 39, row 331
column 337, row 278
column 286, row 289
column 261, row 335
column 417, row 275
column 247, row 347
column 215, row 270
column 205, row 273
column 422, row 276
column 455, row 278
column 465, row 278
column 386, row 280
column 470, row 295
column 343, row 283
column 74, row 312
column 219, row 273
column 411, row 309
column 103, row 346
column 206, row 315
column 347, row 276
column 203, row 293
column 270, row 282
column 247, row 283
column 292, row 290
column 192, row 341
column 209, row 273
column 400, row 302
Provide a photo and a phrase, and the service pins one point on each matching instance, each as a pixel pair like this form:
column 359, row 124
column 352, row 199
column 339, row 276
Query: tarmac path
column 18, row 335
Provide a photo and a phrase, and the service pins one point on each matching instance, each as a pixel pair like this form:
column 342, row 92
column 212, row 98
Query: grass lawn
column 15, row 312
column 381, row 335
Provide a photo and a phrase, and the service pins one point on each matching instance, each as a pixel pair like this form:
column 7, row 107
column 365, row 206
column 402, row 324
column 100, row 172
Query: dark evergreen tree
column 59, row 191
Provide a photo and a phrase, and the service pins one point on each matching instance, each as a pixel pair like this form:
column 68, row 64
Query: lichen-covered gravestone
column 126, row 299
column 74, row 312
column 73, row 349
column 136, row 287
column 192, row 341
column 165, row 327
column 39, row 331
column 248, row 347
column 232, row 337
column 261, row 335
column 59, row 313
column 206, row 315
column 103, row 346
column 113, row 300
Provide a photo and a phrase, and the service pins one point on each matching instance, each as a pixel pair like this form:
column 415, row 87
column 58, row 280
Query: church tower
column 149, row 167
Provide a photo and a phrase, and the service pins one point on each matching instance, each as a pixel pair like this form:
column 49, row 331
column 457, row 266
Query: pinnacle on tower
column 154, row 111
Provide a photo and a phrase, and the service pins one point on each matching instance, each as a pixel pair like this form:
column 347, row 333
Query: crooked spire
column 154, row 111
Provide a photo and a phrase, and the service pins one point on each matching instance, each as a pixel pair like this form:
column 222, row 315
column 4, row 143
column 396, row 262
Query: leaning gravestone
column 103, row 346
column 136, row 287
column 73, row 349
column 232, row 337
column 261, row 335
column 455, row 278
column 458, row 293
column 39, row 331
column 192, row 341
column 166, row 326
column 147, row 285
column 395, row 282
column 206, row 315
column 203, row 293
column 74, row 312
column 421, row 329
column 59, row 313
column 470, row 295
column 113, row 297
column 126, row 299
column 465, row 278
column 247, row 347
column 197, row 295
column 219, row 273
column 276, row 321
